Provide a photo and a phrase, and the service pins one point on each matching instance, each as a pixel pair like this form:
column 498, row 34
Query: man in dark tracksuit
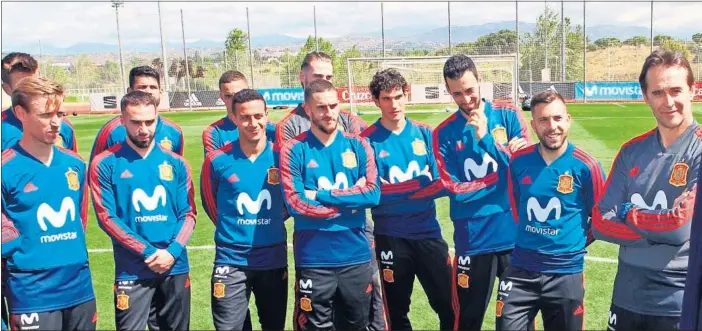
column 318, row 65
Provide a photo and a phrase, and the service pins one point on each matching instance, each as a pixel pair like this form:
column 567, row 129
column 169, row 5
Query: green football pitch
column 599, row 129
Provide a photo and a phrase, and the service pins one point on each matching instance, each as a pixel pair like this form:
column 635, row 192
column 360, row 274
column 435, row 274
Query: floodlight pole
column 163, row 51
column 116, row 4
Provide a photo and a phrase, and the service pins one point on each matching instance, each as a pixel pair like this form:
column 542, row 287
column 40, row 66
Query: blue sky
column 66, row 23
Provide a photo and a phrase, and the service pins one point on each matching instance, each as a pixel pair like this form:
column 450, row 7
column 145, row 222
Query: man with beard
column 144, row 200
column 650, row 170
column 472, row 149
column 224, row 130
column 553, row 187
column 240, row 189
column 329, row 180
column 168, row 134
column 44, row 218
column 408, row 236
column 318, row 65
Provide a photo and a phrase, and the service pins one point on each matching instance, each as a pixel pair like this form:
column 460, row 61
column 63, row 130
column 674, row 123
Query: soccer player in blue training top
column 318, row 65
column 329, row 180
column 691, row 318
column 472, row 149
column 407, row 233
column 16, row 66
column 649, row 171
column 553, row 187
column 144, row 200
column 241, row 193
column 44, row 216
column 168, row 134
column 224, row 130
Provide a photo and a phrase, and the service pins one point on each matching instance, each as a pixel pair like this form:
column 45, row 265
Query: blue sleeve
column 209, row 184
column 187, row 211
column 448, row 169
column 179, row 147
column 593, row 185
column 516, row 125
column 211, row 140
column 514, row 192
column 500, row 153
column 365, row 196
column 105, row 206
column 294, row 188
column 429, row 188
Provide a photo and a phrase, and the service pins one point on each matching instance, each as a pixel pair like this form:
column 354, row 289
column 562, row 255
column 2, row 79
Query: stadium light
column 116, row 4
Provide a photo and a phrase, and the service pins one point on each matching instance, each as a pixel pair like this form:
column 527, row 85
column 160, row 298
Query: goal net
column 425, row 76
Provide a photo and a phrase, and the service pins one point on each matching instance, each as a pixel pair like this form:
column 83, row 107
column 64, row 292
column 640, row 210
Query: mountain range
column 409, row 36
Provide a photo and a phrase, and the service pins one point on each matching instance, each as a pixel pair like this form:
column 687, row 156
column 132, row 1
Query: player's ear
column 7, row 89
column 129, row 89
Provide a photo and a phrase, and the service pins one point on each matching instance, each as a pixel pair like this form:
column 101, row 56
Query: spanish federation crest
column 419, row 148
column 165, row 171
column 499, row 305
column 500, row 135
column 273, row 176
column 218, row 290
column 306, row 304
column 388, row 275
column 122, row 301
column 565, row 183
column 463, row 280
column 348, row 159
column 72, row 178
column 167, row 144
column 678, row 177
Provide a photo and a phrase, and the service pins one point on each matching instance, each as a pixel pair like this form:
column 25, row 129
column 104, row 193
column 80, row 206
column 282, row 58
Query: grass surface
column 597, row 128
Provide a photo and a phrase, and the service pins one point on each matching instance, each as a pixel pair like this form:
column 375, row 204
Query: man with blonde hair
column 44, row 217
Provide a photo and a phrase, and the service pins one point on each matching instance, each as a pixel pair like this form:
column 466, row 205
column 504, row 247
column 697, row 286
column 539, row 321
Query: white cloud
column 65, row 23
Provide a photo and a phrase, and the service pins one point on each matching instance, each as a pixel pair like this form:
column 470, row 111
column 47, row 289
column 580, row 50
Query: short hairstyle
column 387, row 80
column 17, row 62
column 457, row 65
column 246, row 95
column 317, row 86
column 545, row 97
column 666, row 58
column 137, row 98
column 230, row 76
column 312, row 57
column 143, row 71
column 32, row 87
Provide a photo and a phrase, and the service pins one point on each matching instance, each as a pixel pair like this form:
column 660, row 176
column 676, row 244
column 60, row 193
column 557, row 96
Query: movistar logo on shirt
column 340, row 182
column 244, row 201
column 479, row 170
column 660, row 201
column 396, row 175
column 541, row 214
column 57, row 219
column 149, row 203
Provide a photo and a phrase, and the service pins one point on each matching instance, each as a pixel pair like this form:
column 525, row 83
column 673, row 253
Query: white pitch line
column 209, row 247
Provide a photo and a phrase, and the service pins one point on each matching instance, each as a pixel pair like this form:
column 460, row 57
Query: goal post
column 498, row 79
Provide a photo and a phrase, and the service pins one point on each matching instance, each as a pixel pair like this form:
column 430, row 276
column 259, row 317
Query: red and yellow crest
column 565, row 183
column 218, row 290
column 306, row 304
column 463, row 280
column 500, row 135
column 273, row 176
column 348, row 159
column 122, row 301
column 678, row 177
column 166, row 144
column 498, row 308
column 388, row 275
column 419, row 148
column 72, row 178
column 165, row 171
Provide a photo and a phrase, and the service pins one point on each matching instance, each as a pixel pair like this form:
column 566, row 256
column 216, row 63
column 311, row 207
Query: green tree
column 309, row 46
column 608, row 42
column 341, row 68
column 637, row 41
column 235, row 46
column 676, row 45
column 697, row 37
column 659, row 39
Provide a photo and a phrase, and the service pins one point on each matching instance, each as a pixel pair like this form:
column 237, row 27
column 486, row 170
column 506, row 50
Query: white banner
column 436, row 93
column 110, row 102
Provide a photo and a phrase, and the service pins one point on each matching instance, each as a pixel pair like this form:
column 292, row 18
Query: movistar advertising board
column 282, row 96
column 608, row 91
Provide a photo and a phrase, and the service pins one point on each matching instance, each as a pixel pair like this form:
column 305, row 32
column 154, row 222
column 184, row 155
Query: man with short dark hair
column 407, row 233
column 224, row 130
column 241, row 193
column 144, row 200
column 168, row 134
column 553, row 187
column 472, row 149
column 15, row 67
column 649, row 171
column 329, row 179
